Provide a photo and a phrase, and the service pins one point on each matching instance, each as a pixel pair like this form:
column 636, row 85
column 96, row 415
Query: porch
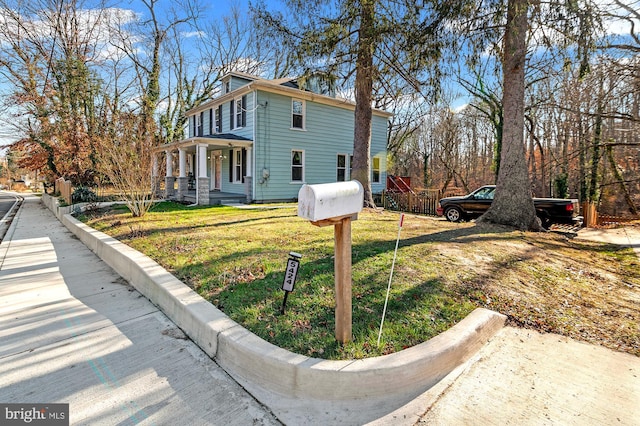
column 216, row 198
column 203, row 163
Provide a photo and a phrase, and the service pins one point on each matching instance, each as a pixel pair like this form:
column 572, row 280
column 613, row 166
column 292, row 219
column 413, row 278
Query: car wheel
column 453, row 214
column 545, row 222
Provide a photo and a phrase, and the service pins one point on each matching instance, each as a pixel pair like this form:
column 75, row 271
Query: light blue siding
column 328, row 132
column 246, row 131
column 237, row 82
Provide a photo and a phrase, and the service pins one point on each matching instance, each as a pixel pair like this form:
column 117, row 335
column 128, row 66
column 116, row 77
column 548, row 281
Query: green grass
column 236, row 260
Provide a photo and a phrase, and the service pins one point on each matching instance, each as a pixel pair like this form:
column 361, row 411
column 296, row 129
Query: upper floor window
column 341, row 168
column 218, row 119
column 297, row 166
column 199, row 124
column 238, row 112
column 297, row 114
column 375, row 169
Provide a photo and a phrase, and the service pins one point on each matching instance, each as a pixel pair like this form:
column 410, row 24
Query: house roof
column 285, row 86
column 226, row 136
column 240, row 74
column 226, row 139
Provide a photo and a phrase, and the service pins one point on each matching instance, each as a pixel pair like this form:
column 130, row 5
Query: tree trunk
column 594, row 180
column 363, row 111
column 620, row 179
column 513, row 204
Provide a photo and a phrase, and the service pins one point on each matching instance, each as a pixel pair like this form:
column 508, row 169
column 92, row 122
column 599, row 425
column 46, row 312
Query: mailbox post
column 336, row 204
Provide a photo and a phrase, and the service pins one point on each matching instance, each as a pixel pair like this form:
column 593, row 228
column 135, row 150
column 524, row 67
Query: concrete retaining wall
column 266, row 369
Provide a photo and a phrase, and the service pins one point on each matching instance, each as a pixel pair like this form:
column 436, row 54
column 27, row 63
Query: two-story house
column 261, row 140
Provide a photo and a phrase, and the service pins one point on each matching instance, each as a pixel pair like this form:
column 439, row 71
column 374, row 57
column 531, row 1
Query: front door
column 216, row 170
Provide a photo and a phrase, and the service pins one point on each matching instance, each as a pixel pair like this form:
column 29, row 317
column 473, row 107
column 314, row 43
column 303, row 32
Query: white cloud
column 97, row 26
column 191, row 34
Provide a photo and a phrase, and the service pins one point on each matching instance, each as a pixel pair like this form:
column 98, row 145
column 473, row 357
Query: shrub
column 82, row 194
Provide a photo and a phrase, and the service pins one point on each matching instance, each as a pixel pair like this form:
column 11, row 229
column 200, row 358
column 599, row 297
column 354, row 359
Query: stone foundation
column 183, row 187
column 203, row 191
column 169, row 187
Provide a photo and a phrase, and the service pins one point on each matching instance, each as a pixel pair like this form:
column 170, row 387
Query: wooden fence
column 607, row 220
column 422, row 203
column 65, row 189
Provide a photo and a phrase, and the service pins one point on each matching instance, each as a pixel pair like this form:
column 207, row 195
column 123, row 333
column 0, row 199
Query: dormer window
column 226, row 86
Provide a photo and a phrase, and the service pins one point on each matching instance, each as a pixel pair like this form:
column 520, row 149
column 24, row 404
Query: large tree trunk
column 363, row 111
column 513, row 203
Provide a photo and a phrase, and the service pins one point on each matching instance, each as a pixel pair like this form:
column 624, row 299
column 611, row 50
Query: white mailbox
column 330, row 200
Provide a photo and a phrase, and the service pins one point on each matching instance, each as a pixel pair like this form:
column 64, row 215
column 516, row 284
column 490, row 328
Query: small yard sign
column 290, row 275
column 291, row 272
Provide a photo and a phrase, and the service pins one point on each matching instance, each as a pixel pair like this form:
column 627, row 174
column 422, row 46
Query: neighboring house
column 261, row 140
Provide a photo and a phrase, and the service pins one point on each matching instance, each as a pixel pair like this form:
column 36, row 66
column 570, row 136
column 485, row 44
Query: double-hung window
column 375, row 170
column 341, row 168
column 199, row 124
column 237, row 165
column 238, row 112
column 297, row 114
column 219, row 119
column 297, row 166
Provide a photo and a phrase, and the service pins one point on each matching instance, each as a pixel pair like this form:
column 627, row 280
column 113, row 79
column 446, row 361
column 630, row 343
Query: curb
column 268, row 371
column 8, row 226
column 6, row 221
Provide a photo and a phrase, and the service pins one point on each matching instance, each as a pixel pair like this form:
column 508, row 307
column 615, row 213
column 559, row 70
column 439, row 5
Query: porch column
column 249, row 171
column 155, row 176
column 183, row 180
column 169, row 180
column 202, row 190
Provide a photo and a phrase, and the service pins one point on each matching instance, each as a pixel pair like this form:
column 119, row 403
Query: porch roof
column 219, row 141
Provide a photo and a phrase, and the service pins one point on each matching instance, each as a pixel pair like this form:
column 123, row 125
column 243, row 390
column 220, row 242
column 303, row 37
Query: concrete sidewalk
column 72, row 331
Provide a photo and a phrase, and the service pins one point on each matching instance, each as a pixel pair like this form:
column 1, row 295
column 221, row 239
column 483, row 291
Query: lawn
column 236, row 259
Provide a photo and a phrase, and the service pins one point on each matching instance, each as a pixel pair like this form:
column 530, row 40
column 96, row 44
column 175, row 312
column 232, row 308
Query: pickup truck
column 549, row 210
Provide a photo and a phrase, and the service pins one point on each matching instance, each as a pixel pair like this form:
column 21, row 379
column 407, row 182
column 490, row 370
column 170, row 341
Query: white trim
column 237, row 179
column 291, row 166
column 304, row 114
column 379, row 169
column 235, row 125
column 217, row 120
column 346, row 166
column 271, row 87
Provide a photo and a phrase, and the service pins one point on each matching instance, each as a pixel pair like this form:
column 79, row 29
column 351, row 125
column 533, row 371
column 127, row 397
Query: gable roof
column 282, row 86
